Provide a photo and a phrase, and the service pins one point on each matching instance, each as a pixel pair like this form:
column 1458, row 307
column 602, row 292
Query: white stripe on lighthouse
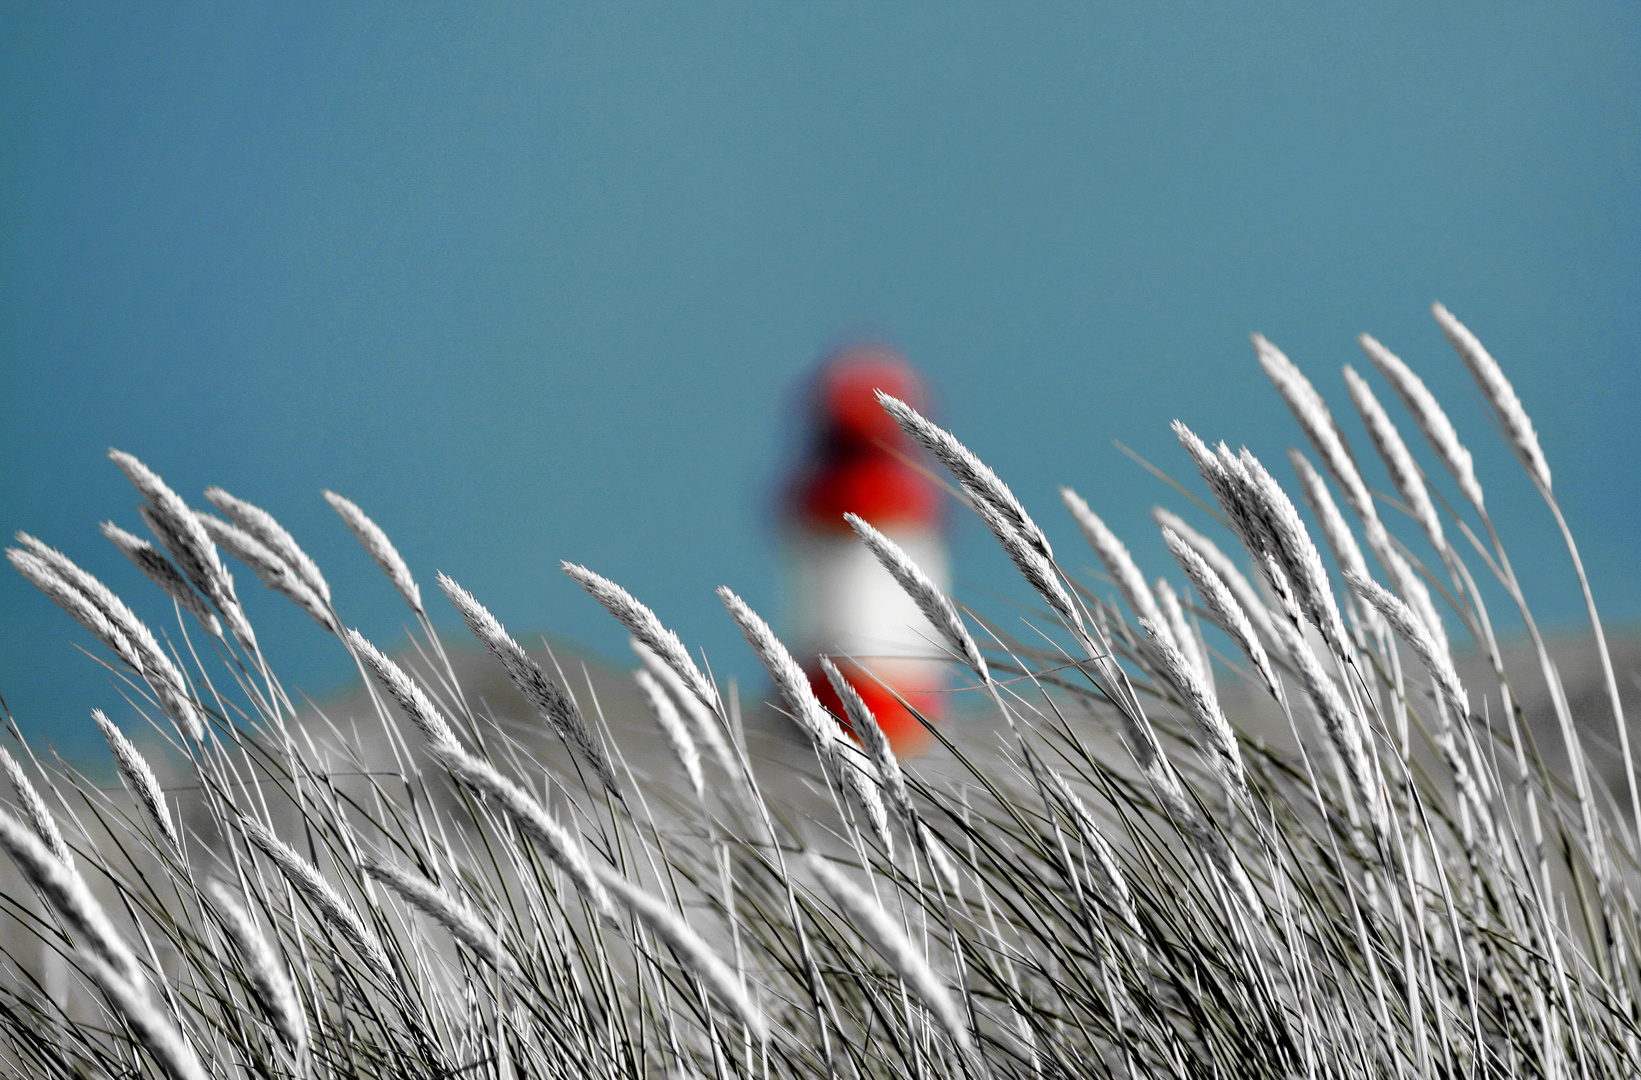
column 845, row 604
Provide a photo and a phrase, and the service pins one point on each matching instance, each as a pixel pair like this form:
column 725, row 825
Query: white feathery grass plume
column 1227, row 477
column 1173, row 613
column 122, row 617
column 1247, row 598
column 1209, row 840
column 1223, row 604
column 380, row 548
column 1398, row 461
column 665, row 715
column 642, row 624
column 838, row 756
column 452, row 914
column 262, row 525
column 1033, row 565
column 1429, row 415
column 1317, row 423
column 39, row 815
column 1407, row 582
column 550, row 699
column 1107, row 873
column 1346, row 552
column 326, row 901
column 410, row 696
column 112, row 623
column 180, row 532
column 975, row 476
column 144, row 785
column 940, row 860
column 887, row 766
column 67, row 893
column 1297, row 554
column 1341, row 541
column 562, row 846
column 869, row 919
column 692, row 950
column 703, row 719
column 269, row 978
column 860, row 781
column 76, row 603
column 162, row 572
column 269, row 567
column 1499, row 394
column 173, row 1053
column 935, row 605
column 176, row 546
column 788, row 678
column 1216, row 730
column 1343, row 729
column 1117, row 561
column 1412, row 630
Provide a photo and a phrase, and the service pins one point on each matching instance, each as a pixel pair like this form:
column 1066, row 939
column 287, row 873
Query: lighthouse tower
column 842, row 603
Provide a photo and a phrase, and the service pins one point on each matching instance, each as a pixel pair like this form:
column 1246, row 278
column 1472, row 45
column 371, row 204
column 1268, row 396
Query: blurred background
column 531, row 282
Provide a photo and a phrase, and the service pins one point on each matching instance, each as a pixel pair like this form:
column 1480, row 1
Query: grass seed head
column 1428, row 415
column 1499, row 394
column 869, row 919
column 1404, row 473
column 666, row 717
column 975, row 476
column 454, row 915
column 935, row 605
column 69, row 896
column 550, row 699
column 139, row 778
column 321, row 895
column 262, row 525
column 162, row 572
column 380, row 548
column 269, row 978
column 270, row 567
column 39, row 815
column 405, row 690
column 692, row 950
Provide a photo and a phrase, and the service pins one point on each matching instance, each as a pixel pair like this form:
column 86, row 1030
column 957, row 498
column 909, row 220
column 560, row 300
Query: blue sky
column 535, row 282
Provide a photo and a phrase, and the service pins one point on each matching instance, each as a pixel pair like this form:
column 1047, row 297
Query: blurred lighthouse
column 842, row 603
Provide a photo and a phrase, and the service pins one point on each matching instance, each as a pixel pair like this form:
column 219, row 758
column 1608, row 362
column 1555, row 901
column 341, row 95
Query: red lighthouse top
column 858, row 460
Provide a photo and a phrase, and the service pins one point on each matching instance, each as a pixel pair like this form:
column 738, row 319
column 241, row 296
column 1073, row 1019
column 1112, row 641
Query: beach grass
column 1122, row 880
